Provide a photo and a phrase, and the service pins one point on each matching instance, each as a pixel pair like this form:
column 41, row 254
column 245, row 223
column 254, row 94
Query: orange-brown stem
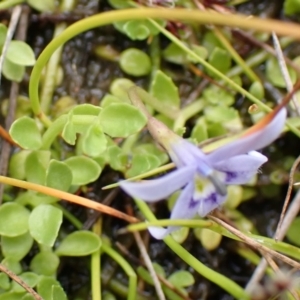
column 69, row 197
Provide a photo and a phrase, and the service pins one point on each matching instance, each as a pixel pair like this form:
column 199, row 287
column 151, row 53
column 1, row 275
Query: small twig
column 14, row 92
column 279, row 234
column 279, row 272
column 255, row 244
column 18, row 280
column 11, row 29
column 124, row 250
column 4, row 133
column 149, row 265
column 264, row 46
column 271, row 263
column 284, row 71
column 106, row 201
column 161, row 279
column 69, row 197
column 147, row 261
column 282, row 226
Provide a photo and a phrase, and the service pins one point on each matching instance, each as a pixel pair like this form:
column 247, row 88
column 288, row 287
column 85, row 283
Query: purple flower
column 203, row 177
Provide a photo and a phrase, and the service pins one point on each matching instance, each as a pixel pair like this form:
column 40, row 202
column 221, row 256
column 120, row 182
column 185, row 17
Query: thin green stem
column 236, row 57
column 215, row 277
column 70, row 217
column 167, row 110
column 57, row 126
column 206, row 17
column 121, row 290
column 96, row 265
column 188, row 112
column 252, row 257
column 53, row 131
column 255, row 259
column 132, row 289
column 155, row 55
column 257, row 58
column 226, row 79
column 50, row 78
column 156, row 171
column 128, row 143
column 282, row 247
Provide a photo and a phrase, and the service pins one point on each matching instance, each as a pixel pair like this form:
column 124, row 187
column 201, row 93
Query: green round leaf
column 86, row 109
column 119, row 3
column 45, row 263
column 293, row 232
column 42, row 6
column 291, row 7
column 34, row 199
column 59, row 175
column 12, row 264
column 84, row 169
column 13, row 219
column 220, row 59
column 216, row 96
column 28, row 297
column 20, row 53
column 16, row 168
column 182, row 279
column 135, row 62
column 220, row 114
column 136, row 29
column 122, row 120
column 44, row 224
column 28, row 277
column 16, row 247
column 119, row 87
column 199, row 132
column 109, row 99
column 108, row 296
column 180, row 235
column 35, row 166
column 210, row 240
column 45, row 285
column 174, row 54
column 10, row 296
column 234, row 196
column 69, row 133
column 118, row 160
column 58, row 293
column 4, row 281
column 164, row 89
column 216, row 129
column 149, row 148
column 257, row 90
column 79, row 243
column 25, row 132
column 274, row 73
column 12, row 71
column 94, row 141
column 142, row 163
column 200, row 51
column 3, row 33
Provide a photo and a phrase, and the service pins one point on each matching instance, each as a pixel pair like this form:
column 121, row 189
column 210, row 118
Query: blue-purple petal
column 185, row 208
column 255, row 141
column 241, row 168
column 209, row 200
column 157, row 189
column 184, row 153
